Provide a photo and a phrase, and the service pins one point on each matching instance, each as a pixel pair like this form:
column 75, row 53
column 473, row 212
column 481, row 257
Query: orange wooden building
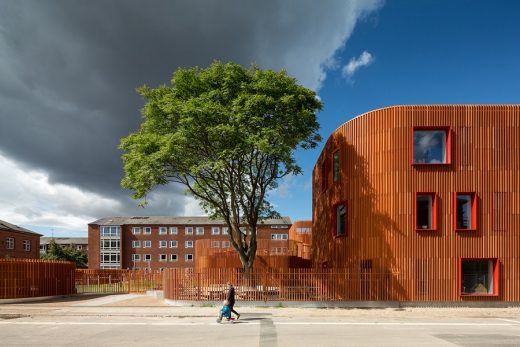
column 427, row 194
column 293, row 251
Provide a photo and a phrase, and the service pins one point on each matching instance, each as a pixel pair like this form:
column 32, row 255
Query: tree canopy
column 226, row 133
column 69, row 253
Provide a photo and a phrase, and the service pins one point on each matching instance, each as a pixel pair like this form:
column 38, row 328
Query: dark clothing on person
column 231, row 296
column 231, row 300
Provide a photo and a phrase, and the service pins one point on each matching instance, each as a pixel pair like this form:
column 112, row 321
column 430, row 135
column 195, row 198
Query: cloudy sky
column 69, row 69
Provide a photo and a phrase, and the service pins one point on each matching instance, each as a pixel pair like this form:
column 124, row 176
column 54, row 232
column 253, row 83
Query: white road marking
column 14, row 322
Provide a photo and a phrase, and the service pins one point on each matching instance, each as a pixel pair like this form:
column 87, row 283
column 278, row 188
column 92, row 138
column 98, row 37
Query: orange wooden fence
column 117, row 281
column 278, row 284
column 22, row 278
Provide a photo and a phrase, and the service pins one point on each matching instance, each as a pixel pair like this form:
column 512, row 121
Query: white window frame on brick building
column 173, row 244
column 199, row 231
column 163, row 257
column 188, row 230
column 279, row 237
column 27, row 245
column 147, row 244
column 163, row 244
column 174, row 257
column 136, row 244
column 188, row 244
column 163, row 230
column 215, row 231
column 147, row 231
column 188, row 257
column 136, row 230
column 174, row 231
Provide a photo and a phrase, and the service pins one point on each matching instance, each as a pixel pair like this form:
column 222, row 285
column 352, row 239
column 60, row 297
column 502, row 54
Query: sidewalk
column 134, row 305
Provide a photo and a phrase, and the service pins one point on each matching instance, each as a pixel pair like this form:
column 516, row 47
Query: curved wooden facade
column 378, row 183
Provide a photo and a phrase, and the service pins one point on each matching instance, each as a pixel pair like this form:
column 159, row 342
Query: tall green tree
column 69, row 253
column 228, row 134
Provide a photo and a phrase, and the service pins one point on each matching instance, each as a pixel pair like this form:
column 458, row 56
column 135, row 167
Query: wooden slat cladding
column 378, row 183
column 24, row 278
column 278, row 284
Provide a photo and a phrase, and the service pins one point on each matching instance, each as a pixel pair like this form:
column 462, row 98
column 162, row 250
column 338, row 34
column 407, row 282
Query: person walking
column 231, row 299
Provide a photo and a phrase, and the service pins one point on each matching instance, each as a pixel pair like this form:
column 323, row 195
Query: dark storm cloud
column 69, row 69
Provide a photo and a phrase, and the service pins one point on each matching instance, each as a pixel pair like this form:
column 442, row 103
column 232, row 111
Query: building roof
column 11, row 227
column 45, row 240
column 166, row 220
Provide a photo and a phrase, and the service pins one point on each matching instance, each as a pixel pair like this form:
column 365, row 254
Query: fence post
column 198, row 286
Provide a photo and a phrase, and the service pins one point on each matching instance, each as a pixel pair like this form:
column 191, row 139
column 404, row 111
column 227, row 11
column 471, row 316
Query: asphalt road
column 141, row 321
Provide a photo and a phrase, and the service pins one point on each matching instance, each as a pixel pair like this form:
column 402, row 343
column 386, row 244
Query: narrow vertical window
column 465, row 211
column 425, row 211
column 340, row 220
column 335, row 163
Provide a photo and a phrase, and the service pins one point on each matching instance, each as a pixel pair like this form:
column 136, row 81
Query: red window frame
column 473, row 223
column 335, row 220
column 495, row 277
column 434, row 211
column 447, row 129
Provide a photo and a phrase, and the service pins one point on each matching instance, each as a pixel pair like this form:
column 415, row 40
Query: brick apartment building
column 18, row 242
column 157, row 242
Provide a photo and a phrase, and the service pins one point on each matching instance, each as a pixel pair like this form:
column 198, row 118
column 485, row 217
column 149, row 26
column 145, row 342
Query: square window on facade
column 163, row 244
column 188, row 230
column 225, row 230
column 26, row 245
column 215, row 231
column 188, row 244
column 465, row 211
column 147, row 230
column 478, row 276
column 136, row 244
column 340, row 219
column 147, row 244
column 173, row 257
column 431, row 145
column 163, row 230
column 136, row 230
column 200, row 231
column 226, row 244
column 136, row 257
column 215, row 244
column 425, row 211
column 173, row 231
column 173, row 244
column 147, row 257
column 188, row 257
column 163, row 257
column 335, row 166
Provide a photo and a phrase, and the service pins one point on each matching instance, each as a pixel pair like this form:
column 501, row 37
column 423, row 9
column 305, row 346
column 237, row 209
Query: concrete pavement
column 133, row 320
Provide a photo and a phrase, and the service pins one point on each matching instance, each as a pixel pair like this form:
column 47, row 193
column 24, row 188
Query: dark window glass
column 336, row 165
column 341, row 219
column 477, row 277
column 424, row 211
column 463, row 211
